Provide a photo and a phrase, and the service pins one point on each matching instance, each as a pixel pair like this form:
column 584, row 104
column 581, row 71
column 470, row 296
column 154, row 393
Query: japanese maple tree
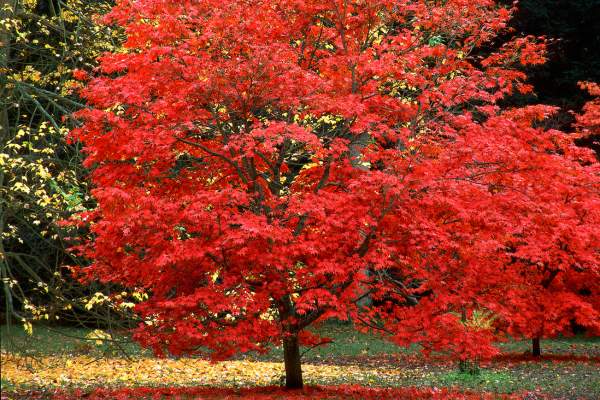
column 551, row 280
column 263, row 166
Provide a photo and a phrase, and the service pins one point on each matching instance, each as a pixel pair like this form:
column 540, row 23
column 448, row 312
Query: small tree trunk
column 536, row 350
column 7, row 11
column 291, row 357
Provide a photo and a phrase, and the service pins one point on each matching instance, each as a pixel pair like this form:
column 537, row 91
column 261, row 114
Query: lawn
column 72, row 358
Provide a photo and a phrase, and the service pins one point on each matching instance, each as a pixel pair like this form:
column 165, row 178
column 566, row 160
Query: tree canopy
column 262, row 166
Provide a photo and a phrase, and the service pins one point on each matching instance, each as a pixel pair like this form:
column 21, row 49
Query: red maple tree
column 263, row 166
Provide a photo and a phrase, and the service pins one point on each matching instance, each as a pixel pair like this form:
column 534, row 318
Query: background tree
column 40, row 174
column 551, row 280
column 224, row 144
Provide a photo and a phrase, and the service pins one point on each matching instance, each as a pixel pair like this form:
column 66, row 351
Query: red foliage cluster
column 272, row 393
column 589, row 121
column 261, row 166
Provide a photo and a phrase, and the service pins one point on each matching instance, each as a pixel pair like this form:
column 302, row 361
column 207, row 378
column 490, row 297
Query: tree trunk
column 291, row 357
column 7, row 11
column 536, row 350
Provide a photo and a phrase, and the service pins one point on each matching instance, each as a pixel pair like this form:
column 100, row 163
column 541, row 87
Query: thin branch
column 218, row 155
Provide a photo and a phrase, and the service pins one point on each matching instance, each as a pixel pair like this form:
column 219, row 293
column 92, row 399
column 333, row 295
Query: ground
column 58, row 358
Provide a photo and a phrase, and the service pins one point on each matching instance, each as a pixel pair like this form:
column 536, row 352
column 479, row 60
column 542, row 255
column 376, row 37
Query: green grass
column 48, row 341
column 44, row 340
column 561, row 380
column 578, row 345
column 346, row 344
column 489, row 379
column 6, row 385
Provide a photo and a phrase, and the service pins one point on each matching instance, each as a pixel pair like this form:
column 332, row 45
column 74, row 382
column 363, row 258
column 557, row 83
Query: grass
column 347, row 345
column 564, row 381
column 578, row 345
column 50, row 340
column 560, row 378
column 348, row 342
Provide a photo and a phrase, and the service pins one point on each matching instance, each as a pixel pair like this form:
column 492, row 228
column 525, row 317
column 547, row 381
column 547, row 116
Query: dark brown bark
column 7, row 10
column 291, row 358
column 536, row 350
